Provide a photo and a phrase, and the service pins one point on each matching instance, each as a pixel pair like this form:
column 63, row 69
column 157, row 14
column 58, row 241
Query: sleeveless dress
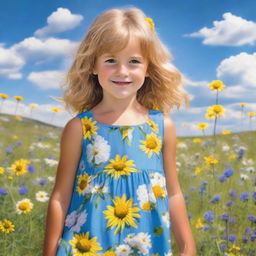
column 119, row 204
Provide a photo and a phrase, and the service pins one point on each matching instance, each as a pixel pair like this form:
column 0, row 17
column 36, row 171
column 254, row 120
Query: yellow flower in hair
column 151, row 23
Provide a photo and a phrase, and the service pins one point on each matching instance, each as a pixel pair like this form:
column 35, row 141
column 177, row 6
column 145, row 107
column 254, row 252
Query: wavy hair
column 110, row 32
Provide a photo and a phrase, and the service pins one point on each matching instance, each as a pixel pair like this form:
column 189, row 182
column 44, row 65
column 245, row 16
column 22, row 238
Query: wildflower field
column 216, row 173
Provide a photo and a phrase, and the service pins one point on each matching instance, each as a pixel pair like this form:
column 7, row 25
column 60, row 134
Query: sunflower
column 121, row 214
column 119, row 166
column 24, row 206
column 89, row 127
column 6, row 226
column 83, row 183
column 152, row 144
column 153, row 125
column 84, row 246
column 20, row 167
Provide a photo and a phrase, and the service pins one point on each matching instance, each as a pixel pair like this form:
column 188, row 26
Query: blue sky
column 209, row 40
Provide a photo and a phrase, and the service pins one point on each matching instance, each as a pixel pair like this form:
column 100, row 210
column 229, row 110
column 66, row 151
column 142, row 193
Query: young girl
column 116, row 190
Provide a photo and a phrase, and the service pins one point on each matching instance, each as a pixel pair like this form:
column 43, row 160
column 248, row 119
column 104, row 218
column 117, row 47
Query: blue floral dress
column 119, row 205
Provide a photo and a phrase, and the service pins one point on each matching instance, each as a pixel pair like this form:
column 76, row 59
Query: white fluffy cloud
column 59, row 21
column 231, row 31
column 46, row 79
column 10, row 63
column 239, row 70
column 50, row 48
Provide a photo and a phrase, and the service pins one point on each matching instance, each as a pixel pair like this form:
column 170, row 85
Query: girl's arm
column 70, row 152
column 178, row 213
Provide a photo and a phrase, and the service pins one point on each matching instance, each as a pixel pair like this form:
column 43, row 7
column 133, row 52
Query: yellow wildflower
column 18, row 98
column 197, row 140
column 216, row 110
column 217, row 85
column 224, row 132
column 202, row 126
column 4, row 96
column 210, row 160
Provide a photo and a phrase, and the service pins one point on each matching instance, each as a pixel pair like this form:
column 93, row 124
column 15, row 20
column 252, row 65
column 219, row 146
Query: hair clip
column 151, row 23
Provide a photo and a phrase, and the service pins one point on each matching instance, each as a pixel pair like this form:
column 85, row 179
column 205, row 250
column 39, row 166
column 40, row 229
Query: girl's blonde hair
column 110, row 32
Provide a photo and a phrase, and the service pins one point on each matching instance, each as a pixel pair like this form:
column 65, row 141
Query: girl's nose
column 122, row 69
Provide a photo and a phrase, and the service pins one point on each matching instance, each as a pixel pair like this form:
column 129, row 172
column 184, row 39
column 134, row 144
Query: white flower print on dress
column 140, row 242
column 145, row 196
column 166, row 218
column 99, row 151
column 123, row 250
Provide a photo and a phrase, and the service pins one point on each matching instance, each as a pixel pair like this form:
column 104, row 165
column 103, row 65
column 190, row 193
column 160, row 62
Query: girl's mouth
column 121, row 83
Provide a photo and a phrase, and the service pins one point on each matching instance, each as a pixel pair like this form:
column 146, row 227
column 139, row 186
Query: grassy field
column 220, row 196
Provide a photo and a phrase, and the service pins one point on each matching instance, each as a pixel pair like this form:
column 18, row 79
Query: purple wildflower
column 31, row 168
column 228, row 172
column 215, row 199
column 23, row 190
column 232, row 238
column 3, row 192
column 232, row 193
column 222, row 179
column 42, row 181
column 229, row 203
column 244, row 196
column 209, row 216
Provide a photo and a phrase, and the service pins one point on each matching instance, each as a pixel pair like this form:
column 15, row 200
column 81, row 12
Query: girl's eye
column 110, row 60
column 135, row 61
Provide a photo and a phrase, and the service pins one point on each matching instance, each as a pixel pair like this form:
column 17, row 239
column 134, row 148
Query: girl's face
column 121, row 75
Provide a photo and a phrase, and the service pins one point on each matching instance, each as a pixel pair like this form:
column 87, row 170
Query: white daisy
column 51, row 178
column 99, row 151
column 42, row 196
column 225, row 148
column 74, row 221
column 250, row 169
column 123, row 250
column 182, row 145
column 244, row 177
column 50, row 162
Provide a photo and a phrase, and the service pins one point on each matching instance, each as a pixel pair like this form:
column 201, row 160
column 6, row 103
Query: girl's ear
column 94, row 71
